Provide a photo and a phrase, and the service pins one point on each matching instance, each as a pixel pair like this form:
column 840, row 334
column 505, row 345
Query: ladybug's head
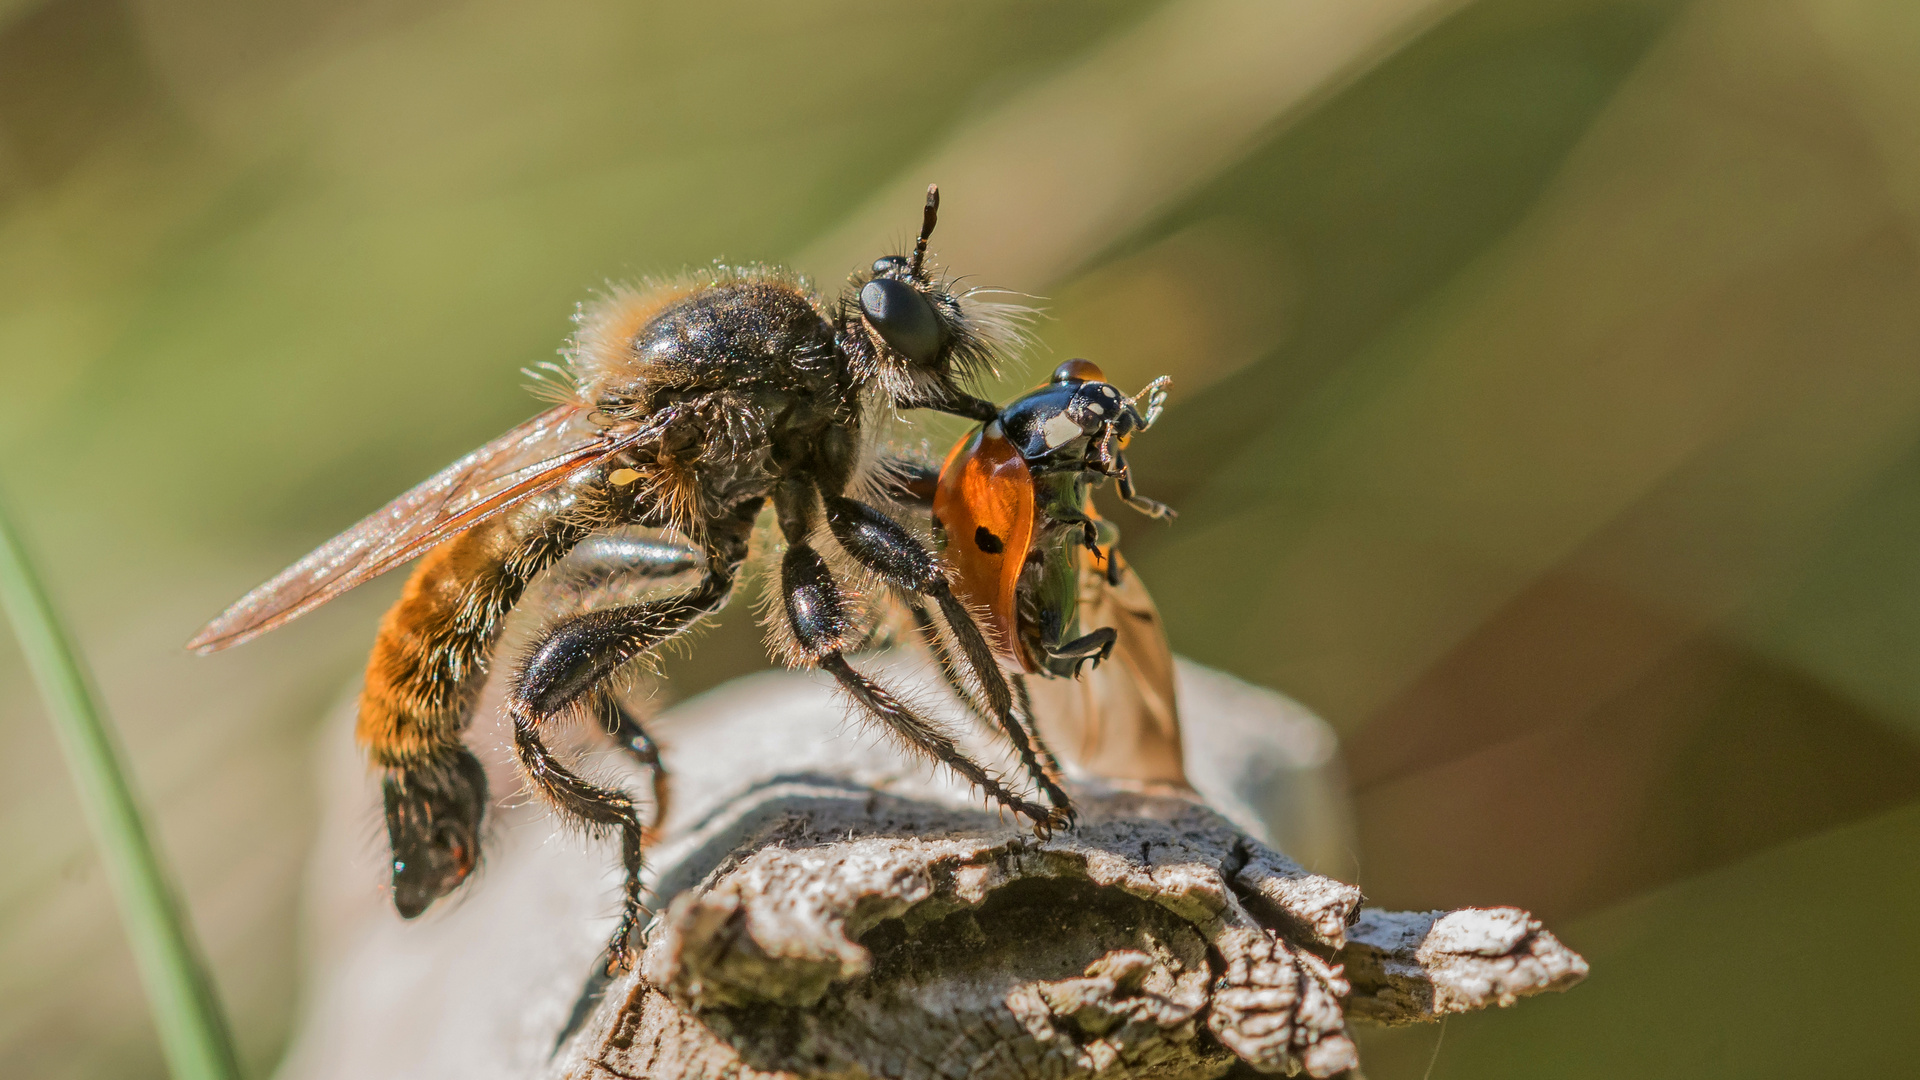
column 1100, row 409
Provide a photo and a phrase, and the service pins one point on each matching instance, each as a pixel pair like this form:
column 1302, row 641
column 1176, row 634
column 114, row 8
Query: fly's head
column 911, row 332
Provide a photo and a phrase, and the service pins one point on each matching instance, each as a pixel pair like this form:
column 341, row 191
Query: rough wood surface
column 851, row 933
column 830, row 907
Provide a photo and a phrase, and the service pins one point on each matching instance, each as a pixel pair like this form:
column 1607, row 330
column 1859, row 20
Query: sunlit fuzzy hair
column 599, row 360
column 859, row 588
column 982, row 331
column 999, row 327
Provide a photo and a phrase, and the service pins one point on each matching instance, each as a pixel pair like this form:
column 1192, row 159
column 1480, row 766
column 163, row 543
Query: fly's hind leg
column 612, row 560
column 572, row 660
column 626, row 732
column 575, row 658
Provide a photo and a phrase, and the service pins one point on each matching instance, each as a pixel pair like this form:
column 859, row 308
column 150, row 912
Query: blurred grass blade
column 193, row 1032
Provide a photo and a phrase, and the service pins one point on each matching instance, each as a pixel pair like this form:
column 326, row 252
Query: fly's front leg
column 953, row 401
column 1023, row 703
column 816, row 613
column 822, row 628
column 880, row 544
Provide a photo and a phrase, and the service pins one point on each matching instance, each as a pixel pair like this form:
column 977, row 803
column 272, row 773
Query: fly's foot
column 621, row 951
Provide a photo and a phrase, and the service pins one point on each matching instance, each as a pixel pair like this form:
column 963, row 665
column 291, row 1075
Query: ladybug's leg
column 1157, row 510
column 1065, row 659
column 1091, row 535
column 880, row 544
column 1094, row 647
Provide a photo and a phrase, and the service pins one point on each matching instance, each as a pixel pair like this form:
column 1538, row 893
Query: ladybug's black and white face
column 1095, row 405
column 1063, row 416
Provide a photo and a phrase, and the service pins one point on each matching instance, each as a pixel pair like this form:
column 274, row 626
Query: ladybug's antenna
column 926, row 229
column 1155, row 396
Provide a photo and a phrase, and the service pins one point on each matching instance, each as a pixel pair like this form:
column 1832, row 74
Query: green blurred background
column 1546, row 415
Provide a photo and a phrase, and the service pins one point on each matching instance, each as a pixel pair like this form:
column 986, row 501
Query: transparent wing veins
column 526, row 460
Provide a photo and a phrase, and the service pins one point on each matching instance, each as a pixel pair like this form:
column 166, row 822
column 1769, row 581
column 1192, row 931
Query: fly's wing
column 531, row 458
column 1117, row 720
column 984, row 500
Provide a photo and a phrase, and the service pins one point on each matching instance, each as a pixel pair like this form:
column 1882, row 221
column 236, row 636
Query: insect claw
column 619, row 962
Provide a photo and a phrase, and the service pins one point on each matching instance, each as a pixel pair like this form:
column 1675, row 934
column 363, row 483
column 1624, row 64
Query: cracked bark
column 832, row 908
column 846, row 932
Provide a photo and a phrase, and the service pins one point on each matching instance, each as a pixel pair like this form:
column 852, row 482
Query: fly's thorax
column 725, row 333
column 739, row 333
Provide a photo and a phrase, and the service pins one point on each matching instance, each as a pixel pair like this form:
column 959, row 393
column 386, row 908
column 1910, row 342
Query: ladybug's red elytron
column 1013, row 515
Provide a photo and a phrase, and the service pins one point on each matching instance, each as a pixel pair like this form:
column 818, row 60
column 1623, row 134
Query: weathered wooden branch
column 851, row 933
column 833, row 908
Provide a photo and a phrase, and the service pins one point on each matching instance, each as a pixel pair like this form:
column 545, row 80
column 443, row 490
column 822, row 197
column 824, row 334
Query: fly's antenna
column 926, row 229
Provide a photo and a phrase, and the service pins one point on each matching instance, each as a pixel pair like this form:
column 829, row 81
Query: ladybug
column 1013, row 513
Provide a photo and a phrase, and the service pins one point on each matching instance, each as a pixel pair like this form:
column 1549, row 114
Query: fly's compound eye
column 904, row 318
column 1078, row 370
column 889, row 265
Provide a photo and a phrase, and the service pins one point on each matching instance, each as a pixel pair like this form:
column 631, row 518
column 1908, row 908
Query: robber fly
column 688, row 408
column 1012, row 513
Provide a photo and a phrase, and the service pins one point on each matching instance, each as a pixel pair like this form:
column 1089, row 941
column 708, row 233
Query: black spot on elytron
column 987, row 542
